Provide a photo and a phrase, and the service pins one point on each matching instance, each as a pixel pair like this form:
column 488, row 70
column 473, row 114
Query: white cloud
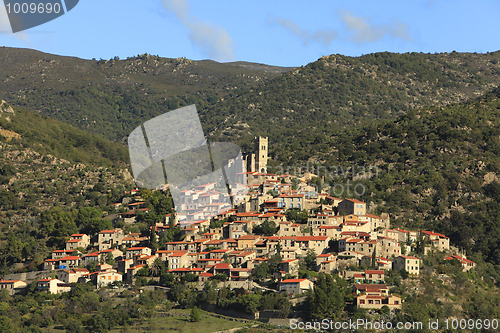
column 364, row 31
column 212, row 40
column 323, row 36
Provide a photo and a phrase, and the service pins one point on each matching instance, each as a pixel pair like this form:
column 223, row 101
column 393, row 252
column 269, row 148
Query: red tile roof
column 354, row 200
column 109, row 231
column 287, row 261
column 136, row 248
column 178, row 253
column 374, row 272
column 293, row 280
column 70, row 258
column 310, row 238
column 410, row 257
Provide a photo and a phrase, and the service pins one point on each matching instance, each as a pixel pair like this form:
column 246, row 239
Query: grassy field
column 178, row 321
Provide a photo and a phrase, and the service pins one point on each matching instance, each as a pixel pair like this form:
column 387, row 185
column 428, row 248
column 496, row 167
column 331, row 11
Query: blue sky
column 276, row 32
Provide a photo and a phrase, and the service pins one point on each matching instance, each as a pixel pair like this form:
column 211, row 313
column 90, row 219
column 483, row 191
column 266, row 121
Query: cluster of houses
column 340, row 233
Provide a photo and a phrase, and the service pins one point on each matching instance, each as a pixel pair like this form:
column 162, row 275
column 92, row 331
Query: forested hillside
column 297, row 107
column 417, row 134
column 46, row 163
column 436, row 168
column 303, row 108
column 111, row 97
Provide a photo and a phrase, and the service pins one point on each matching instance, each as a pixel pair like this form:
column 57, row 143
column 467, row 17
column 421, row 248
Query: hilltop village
column 284, row 220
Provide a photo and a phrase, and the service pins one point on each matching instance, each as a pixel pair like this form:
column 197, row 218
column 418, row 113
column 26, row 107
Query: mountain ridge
column 111, row 97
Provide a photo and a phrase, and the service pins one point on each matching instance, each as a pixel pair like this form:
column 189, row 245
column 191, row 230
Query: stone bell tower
column 261, row 146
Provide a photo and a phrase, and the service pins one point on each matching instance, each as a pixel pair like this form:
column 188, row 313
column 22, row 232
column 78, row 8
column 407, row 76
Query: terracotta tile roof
column 288, row 261
column 109, row 231
column 354, row 200
column 410, row 257
column 374, row 272
column 431, row 233
column 136, row 248
column 178, row 253
column 70, row 258
column 310, row 238
column 293, row 280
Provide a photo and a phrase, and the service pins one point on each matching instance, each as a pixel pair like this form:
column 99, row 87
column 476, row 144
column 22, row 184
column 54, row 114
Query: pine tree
column 153, row 242
column 327, row 300
column 195, row 315
column 374, row 257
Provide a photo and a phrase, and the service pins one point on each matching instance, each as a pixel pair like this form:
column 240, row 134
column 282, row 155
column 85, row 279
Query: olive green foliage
column 112, row 97
column 32, row 239
column 195, row 315
column 266, row 269
column 303, row 109
column 266, row 228
column 436, row 170
column 296, row 215
column 327, row 300
column 49, row 136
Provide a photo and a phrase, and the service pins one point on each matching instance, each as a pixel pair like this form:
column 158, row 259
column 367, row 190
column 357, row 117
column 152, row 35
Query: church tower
column 261, row 145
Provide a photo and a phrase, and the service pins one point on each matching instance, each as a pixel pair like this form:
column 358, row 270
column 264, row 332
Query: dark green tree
column 310, row 260
column 327, row 300
column 195, row 315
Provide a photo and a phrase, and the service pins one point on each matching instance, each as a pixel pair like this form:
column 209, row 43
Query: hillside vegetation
column 111, row 97
column 435, row 168
column 46, row 163
column 302, row 109
column 298, row 107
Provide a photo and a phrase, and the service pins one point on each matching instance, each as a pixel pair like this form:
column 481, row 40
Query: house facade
column 295, row 286
column 408, row 263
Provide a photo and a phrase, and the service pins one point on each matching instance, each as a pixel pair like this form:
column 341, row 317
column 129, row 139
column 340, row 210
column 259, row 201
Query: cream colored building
column 104, row 278
column 108, row 238
column 53, row 286
column 352, row 206
column 13, row 286
column 78, row 240
column 71, row 275
column 408, row 263
column 295, row 286
column 132, row 251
